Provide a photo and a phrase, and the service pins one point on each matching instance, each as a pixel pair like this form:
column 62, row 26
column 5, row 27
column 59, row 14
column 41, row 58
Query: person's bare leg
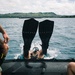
column 0, row 73
column 71, row 68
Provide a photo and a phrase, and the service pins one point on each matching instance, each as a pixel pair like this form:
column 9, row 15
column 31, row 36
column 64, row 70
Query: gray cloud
column 57, row 6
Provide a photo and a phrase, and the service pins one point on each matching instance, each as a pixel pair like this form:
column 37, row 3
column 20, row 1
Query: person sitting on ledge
column 3, row 46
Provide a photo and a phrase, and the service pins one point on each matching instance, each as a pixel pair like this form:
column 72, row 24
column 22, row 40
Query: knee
column 70, row 65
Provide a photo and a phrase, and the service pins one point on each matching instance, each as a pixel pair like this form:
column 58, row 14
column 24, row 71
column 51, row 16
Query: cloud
column 57, row 6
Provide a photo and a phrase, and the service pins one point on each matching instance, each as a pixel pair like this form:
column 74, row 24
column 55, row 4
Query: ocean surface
column 61, row 44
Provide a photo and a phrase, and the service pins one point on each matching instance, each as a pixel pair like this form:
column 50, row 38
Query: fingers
column 29, row 56
column 6, row 37
column 6, row 40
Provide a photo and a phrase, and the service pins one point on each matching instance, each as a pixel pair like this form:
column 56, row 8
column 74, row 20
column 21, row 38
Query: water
column 62, row 42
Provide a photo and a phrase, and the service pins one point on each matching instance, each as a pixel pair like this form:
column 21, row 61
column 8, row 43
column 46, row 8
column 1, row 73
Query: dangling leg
column 45, row 32
column 28, row 33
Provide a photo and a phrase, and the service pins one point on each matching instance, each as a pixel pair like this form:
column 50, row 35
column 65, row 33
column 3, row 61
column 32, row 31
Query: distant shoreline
column 35, row 15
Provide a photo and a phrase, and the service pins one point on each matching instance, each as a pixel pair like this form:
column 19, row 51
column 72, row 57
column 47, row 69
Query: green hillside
column 34, row 15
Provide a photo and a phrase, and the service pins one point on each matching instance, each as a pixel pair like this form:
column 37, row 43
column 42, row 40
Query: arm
column 2, row 30
column 5, row 36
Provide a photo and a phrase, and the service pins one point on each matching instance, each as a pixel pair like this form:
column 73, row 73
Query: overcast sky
column 63, row 7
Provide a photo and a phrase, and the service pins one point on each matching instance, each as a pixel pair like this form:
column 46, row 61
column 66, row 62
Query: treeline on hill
column 35, row 15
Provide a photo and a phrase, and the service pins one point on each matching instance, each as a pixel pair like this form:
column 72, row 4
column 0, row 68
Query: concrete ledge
column 20, row 68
